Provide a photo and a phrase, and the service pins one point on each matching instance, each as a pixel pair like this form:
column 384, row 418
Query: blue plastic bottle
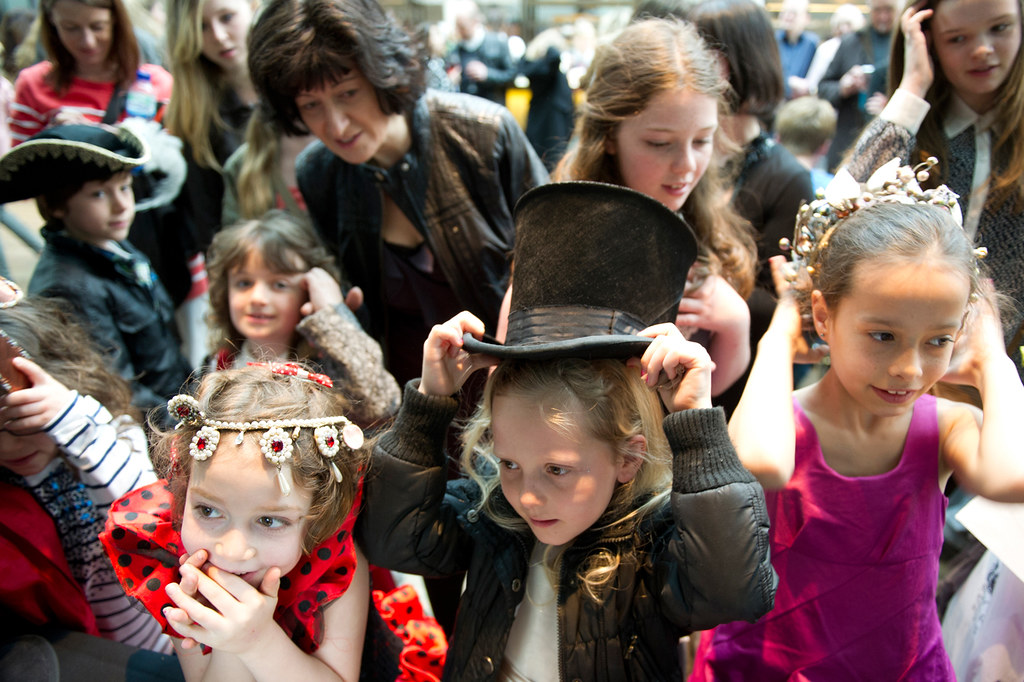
column 141, row 99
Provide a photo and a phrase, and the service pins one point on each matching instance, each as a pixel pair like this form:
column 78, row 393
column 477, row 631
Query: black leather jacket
column 702, row 560
column 133, row 325
column 458, row 184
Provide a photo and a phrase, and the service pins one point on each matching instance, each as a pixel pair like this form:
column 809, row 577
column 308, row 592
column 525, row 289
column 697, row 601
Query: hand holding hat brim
column 446, row 364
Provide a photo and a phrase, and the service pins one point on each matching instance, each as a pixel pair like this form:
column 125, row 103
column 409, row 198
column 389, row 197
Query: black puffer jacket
column 132, row 324
column 458, row 184
column 702, row 560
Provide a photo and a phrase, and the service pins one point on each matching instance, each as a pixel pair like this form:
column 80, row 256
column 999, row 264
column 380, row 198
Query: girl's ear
column 630, row 464
column 820, row 314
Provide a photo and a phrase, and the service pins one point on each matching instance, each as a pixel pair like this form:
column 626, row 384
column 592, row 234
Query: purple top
column 858, row 562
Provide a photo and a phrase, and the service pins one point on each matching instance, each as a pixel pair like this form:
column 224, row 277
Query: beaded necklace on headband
column 892, row 183
column 276, row 443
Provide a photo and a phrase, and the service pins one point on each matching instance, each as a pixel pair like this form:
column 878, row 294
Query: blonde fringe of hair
column 259, row 164
column 602, row 398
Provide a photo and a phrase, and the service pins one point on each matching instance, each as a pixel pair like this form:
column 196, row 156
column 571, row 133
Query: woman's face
column 976, row 43
column 86, row 32
column 346, row 116
column 225, row 30
column 665, row 150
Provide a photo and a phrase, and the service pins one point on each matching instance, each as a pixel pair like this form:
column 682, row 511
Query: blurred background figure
column 805, row 127
column 435, row 37
column 846, row 19
column 855, row 81
column 485, row 65
column 549, row 123
column 797, row 46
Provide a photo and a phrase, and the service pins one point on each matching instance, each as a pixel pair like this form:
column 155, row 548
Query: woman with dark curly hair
column 412, row 190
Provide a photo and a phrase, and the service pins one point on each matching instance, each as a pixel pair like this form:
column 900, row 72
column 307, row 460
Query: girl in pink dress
column 854, row 465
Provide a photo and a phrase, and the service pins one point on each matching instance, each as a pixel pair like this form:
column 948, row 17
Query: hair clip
column 277, row 441
column 293, row 370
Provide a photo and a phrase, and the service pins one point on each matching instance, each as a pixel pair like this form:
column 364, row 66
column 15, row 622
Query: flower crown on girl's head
column 892, row 183
column 276, row 441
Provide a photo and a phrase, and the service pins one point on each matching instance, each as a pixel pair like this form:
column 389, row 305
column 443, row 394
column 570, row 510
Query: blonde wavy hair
column 608, row 401
column 646, row 59
column 258, row 166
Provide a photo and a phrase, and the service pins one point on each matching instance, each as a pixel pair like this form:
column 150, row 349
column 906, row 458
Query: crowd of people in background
column 279, row 238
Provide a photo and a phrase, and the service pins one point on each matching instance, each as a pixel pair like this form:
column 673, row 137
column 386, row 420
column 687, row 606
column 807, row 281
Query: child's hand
column 30, row 409
column 980, row 342
column 324, row 291
column 239, row 617
column 190, row 583
column 445, row 365
column 679, row 369
column 787, row 322
column 354, row 299
column 714, row 306
column 918, row 71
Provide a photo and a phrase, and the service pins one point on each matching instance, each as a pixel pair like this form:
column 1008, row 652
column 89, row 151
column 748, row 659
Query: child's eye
column 881, row 336
column 510, row 466
column 272, row 522
column 999, row 28
column 241, row 284
column 657, row 144
column 282, row 285
column 942, row 341
column 556, row 470
column 206, row 512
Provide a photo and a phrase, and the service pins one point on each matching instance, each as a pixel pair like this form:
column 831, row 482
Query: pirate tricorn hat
column 594, row 265
column 67, row 155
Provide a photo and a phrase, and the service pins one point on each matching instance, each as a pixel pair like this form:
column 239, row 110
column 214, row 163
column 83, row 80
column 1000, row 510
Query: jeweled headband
column 278, row 435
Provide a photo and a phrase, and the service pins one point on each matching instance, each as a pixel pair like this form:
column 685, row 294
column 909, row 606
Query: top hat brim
column 617, row 346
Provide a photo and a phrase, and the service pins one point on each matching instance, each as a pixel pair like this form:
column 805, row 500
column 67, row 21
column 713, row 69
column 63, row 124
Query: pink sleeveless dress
column 858, row 562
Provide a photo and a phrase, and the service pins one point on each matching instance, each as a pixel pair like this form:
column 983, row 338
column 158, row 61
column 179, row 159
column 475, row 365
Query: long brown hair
column 124, row 49
column 646, row 59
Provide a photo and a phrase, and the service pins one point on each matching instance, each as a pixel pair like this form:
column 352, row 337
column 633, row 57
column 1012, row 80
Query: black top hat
column 66, row 155
column 594, row 265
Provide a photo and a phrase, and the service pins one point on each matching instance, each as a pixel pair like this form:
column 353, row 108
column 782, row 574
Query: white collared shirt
column 908, row 110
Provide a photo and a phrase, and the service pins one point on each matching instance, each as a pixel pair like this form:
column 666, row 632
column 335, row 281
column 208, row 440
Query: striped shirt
column 108, row 457
column 36, row 102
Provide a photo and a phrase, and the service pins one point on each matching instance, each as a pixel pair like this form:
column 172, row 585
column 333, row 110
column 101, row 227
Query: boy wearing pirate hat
column 81, row 178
